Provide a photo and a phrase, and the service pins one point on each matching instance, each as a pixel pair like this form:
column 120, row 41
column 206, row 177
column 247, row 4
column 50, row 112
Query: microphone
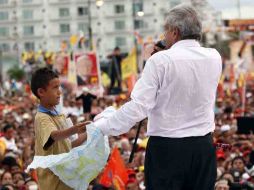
column 160, row 45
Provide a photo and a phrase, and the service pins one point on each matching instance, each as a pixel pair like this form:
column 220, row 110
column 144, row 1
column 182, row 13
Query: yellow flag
column 73, row 40
column 129, row 64
column 24, row 57
column 38, row 54
column 105, row 79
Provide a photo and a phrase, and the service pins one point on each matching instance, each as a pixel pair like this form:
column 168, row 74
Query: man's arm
column 143, row 100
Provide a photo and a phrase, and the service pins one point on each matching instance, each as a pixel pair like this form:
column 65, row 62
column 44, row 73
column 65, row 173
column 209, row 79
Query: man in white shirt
column 177, row 92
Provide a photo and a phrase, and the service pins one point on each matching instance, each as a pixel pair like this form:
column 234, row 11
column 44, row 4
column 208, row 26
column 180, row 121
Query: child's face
column 51, row 94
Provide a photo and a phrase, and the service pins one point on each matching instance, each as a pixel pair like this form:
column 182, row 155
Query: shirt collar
column 186, row 43
column 47, row 111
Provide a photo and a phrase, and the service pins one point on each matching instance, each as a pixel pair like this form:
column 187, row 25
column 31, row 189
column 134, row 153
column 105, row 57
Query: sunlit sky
column 229, row 8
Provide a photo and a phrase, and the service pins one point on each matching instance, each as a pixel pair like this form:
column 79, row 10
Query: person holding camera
column 177, row 93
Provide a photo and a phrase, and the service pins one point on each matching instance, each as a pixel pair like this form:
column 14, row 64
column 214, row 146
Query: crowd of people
column 235, row 165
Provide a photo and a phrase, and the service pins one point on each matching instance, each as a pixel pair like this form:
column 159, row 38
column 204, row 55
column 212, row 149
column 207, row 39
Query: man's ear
column 177, row 34
column 40, row 92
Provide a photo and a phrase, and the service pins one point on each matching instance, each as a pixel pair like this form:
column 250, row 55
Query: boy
column 51, row 132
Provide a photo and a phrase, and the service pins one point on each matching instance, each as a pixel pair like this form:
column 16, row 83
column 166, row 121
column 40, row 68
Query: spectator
column 8, row 162
column 6, row 178
column 15, row 168
column 222, row 185
column 18, row 176
column 87, row 99
column 8, row 138
column 115, row 70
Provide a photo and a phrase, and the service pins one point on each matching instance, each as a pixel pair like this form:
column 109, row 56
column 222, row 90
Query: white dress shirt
column 176, row 91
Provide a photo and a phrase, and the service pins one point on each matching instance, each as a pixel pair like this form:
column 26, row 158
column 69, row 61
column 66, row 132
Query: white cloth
column 82, row 164
column 176, row 91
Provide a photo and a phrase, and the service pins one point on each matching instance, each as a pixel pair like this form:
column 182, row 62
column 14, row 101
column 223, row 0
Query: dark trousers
column 115, row 77
column 180, row 163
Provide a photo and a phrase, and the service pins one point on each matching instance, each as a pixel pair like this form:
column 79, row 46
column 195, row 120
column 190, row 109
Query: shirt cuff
column 102, row 125
column 102, row 122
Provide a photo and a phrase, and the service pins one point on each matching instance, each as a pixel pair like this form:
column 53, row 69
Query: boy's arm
column 48, row 133
column 65, row 133
column 81, row 138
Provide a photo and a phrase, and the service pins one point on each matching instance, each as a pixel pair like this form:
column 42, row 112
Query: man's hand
column 159, row 46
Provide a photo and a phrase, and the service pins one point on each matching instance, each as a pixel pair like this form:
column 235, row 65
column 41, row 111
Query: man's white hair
column 184, row 18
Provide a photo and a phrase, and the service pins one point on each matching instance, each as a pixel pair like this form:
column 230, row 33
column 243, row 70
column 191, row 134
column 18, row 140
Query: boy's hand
column 66, row 133
column 81, row 127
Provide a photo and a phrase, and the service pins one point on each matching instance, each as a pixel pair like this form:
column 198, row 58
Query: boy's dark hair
column 41, row 78
column 6, row 127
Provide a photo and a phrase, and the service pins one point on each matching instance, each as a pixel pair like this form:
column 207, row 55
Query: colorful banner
column 86, row 67
column 88, row 72
column 72, row 73
column 61, row 63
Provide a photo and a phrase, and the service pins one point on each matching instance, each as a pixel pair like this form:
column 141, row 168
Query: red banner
column 115, row 173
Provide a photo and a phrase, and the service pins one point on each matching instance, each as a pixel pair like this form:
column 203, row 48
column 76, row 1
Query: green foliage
column 16, row 73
